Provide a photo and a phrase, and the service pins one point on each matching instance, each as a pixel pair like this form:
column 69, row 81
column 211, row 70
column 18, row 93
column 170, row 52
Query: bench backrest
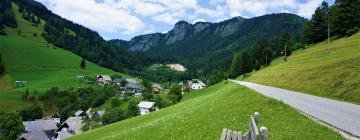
column 254, row 133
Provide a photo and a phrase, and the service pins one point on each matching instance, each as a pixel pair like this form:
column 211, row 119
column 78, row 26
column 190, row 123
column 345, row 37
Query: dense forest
column 338, row 20
column 7, row 16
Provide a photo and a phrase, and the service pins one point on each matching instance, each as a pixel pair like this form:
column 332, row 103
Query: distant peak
column 182, row 22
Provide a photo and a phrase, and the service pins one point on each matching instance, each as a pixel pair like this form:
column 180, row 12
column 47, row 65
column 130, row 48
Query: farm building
column 39, row 130
column 133, row 86
column 197, row 84
column 157, row 88
column 103, row 79
column 147, row 107
column 72, row 126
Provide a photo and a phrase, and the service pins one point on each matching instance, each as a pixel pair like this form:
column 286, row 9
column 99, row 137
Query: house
column 133, row 86
column 147, row 107
column 103, row 79
column 98, row 114
column 197, row 84
column 117, row 81
column 71, row 126
column 138, row 94
column 157, row 88
column 39, row 130
column 56, row 117
column 80, row 113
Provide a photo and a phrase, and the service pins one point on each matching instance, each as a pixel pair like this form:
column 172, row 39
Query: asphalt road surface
column 341, row 115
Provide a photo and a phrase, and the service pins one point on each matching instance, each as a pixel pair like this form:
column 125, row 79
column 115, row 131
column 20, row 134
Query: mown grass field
column 333, row 75
column 203, row 114
column 42, row 65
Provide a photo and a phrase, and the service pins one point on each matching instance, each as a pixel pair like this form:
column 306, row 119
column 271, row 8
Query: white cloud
column 166, row 18
column 198, row 20
column 98, row 16
column 116, row 18
column 308, row 8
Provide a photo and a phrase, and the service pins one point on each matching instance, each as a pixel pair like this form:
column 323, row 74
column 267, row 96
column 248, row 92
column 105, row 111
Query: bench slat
column 239, row 135
column 235, row 135
column 229, row 134
column 253, row 130
column 223, row 134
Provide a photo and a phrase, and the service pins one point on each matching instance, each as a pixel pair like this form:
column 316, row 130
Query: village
column 56, row 127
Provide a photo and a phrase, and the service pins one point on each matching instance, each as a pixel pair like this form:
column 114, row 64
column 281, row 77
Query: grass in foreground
column 30, row 58
column 205, row 115
column 313, row 70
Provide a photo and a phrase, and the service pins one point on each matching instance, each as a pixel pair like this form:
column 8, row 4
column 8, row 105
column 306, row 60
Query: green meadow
column 30, row 58
column 203, row 114
column 313, row 70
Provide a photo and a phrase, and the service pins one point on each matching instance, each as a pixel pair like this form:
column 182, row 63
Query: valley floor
column 204, row 113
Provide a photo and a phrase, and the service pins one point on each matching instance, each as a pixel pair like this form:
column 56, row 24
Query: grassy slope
column 29, row 58
column 333, row 75
column 203, row 115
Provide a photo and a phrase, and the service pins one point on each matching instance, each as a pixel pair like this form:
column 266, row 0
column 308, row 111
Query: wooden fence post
column 256, row 117
column 264, row 134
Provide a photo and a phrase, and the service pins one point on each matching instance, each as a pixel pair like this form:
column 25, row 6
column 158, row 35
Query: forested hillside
column 207, row 48
column 81, row 40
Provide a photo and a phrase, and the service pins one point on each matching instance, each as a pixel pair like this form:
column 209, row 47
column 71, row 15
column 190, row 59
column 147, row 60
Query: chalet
column 39, row 130
column 133, row 86
column 71, row 126
column 147, row 107
column 98, row 114
column 157, row 88
column 80, row 113
column 117, row 81
column 197, row 84
column 56, row 117
column 103, row 79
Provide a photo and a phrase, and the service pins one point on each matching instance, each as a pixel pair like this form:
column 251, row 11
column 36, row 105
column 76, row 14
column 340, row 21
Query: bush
column 113, row 115
column 115, row 102
column 352, row 31
column 31, row 113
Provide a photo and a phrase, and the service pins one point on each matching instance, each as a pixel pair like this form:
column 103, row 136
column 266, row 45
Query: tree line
column 340, row 19
column 7, row 16
column 262, row 53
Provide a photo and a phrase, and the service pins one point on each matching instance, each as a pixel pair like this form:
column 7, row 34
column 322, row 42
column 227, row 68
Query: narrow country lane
column 342, row 115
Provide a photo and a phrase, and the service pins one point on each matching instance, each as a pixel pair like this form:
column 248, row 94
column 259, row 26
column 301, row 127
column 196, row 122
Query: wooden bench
column 253, row 134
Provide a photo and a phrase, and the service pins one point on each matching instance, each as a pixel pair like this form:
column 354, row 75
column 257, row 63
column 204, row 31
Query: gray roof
column 133, row 84
column 75, row 123
column 118, row 80
column 79, row 112
column 100, row 113
column 157, row 86
column 39, row 129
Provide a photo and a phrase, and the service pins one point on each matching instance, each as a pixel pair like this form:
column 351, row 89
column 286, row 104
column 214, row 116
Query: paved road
column 344, row 116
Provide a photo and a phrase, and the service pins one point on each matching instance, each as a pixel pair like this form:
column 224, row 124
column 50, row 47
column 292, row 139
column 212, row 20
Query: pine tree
column 82, row 64
column 347, row 17
column 316, row 29
column 2, row 67
column 234, row 68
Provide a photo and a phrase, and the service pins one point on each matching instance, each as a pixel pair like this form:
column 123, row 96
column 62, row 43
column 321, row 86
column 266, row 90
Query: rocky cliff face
column 145, row 42
column 182, row 30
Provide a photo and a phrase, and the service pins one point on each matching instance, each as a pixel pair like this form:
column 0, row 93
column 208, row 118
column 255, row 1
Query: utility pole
column 266, row 60
column 328, row 48
column 285, row 53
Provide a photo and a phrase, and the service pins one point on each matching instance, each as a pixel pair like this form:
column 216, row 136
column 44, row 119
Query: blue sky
column 124, row 19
